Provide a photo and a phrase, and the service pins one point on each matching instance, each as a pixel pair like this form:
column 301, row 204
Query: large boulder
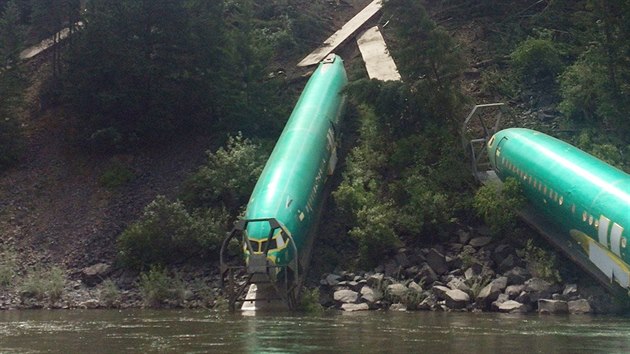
column 539, row 289
column 440, row 291
column 346, row 296
column 500, row 299
column 375, row 280
column 487, row 295
column 512, row 306
column 437, row 261
column 517, row 275
column 355, row 307
column 331, row 280
column 460, row 284
column 368, row 295
column 514, row 290
column 552, row 306
column 95, row 274
column 427, row 275
column 456, row 299
column 478, row 242
column 397, row 290
column 580, row 306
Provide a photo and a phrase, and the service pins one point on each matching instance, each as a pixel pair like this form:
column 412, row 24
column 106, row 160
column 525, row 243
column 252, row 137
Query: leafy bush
column 537, row 62
column 109, row 294
column 167, row 233
column 228, row 177
column 540, row 263
column 40, row 283
column 7, row 267
column 309, row 302
column 375, row 232
column 116, row 175
column 157, row 286
column 498, row 205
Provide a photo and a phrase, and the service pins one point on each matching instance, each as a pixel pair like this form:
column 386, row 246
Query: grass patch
column 157, row 287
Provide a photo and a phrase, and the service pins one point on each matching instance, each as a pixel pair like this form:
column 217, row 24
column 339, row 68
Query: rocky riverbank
column 467, row 274
column 472, row 272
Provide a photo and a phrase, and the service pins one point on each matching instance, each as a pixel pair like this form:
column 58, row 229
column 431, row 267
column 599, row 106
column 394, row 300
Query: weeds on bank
column 7, row 267
column 109, row 294
column 40, row 283
column 541, row 263
column 158, row 287
column 309, row 302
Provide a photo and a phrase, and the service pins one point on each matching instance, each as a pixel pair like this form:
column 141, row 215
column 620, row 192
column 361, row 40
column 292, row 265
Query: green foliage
column 40, row 283
column 228, row 177
column 109, row 294
column 157, row 287
column 540, row 263
column 537, row 62
column 604, row 149
column 375, row 233
column 497, row 205
column 12, row 34
column 116, row 175
column 8, row 265
column 168, row 233
column 309, row 302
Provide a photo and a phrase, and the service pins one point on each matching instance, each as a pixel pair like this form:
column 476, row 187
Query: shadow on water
column 149, row 331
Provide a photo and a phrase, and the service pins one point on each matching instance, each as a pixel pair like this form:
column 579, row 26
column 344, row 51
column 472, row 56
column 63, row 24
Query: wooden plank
column 378, row 62
column 338, row 38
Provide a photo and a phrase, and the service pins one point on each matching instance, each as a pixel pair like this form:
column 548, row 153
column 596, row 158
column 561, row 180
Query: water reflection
column 206, row 331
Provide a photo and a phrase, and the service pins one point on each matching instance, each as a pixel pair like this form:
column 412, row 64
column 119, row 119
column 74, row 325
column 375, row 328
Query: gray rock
column 478, row 242
column 437, row 261
column 346, row 296
column 500, row 283
column 523, row 297
column 459, row 284
column 402, row 260
column 464, row 236
column 427, row 275
column 332, row 279
column 429, row 303
column 89, row 304
column 537, row 285
column 456, row 299
column 392, row 268
column 398, row 307
column 500, row 299
column 512, row 306
column 470, row 273
column 415, row 287
column 440, row 291
column 514, row 290
column 487, row 295
column 375, row 280
column 517, row 275
column 502, row 252
column 355, row 307
column 397, row 290
column 95, row 274
column 570, row 290
column 506, row 264
column 552, row 306
column 368, row 295
column 454, row 262
column 579, row 306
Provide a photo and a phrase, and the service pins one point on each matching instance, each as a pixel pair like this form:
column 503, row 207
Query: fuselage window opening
column 584, row 215
column 590, row 219
column 573, row 208
column 561, row 200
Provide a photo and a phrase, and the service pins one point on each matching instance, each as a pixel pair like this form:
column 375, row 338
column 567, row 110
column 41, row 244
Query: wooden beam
column 378, row 62
column 338, row 38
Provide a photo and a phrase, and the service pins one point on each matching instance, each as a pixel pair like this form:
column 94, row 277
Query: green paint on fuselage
column 291, row 184
column 580, row 188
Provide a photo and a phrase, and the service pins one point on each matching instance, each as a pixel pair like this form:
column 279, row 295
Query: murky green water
column 209, row 332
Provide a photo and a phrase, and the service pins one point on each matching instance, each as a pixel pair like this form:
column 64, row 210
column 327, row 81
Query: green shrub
column 40, row 283
column 228, row 177
column 498, row 205
column 8, row 265
column 116, row 175
column 537, row 62
column 540, row 263
column 109, row 294
column 375, row 233
column 581, row 90
column 157, row 286
column 309, row 302
column 167, row 233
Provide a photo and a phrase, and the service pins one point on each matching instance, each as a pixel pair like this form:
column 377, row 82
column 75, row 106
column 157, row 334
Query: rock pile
column 472, row 274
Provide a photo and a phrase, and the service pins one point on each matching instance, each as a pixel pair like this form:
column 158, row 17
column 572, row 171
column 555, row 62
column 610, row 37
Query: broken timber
column 378, row 63
column 341, row 36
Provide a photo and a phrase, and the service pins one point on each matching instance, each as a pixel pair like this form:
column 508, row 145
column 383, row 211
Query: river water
column 188, row 331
